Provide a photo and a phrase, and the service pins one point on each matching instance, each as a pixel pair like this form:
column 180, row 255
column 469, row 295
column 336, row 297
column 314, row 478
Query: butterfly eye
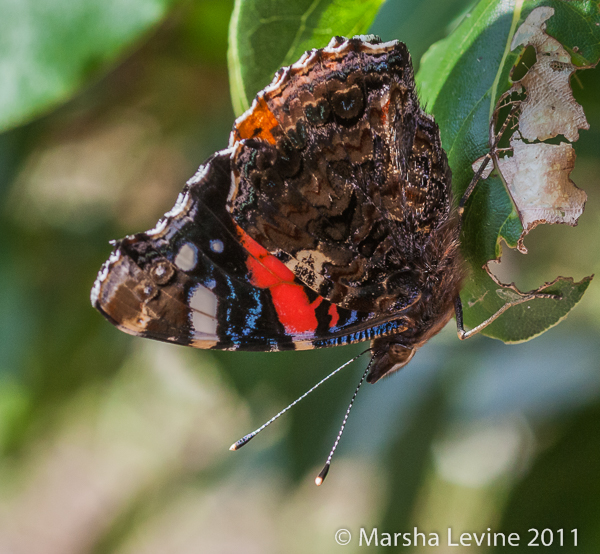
column 401, row 283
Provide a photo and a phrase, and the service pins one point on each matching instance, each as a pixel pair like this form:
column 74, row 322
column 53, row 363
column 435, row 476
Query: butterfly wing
column 326, row 222
column 341, row 175
column 198, row 279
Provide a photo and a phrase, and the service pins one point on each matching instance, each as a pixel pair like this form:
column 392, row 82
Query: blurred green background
column 110, row 443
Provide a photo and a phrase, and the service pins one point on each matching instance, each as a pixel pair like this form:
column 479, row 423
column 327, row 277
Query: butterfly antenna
column 245, row 439
column 321, row 477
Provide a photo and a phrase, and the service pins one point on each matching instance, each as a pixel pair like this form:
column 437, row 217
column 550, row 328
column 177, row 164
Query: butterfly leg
column 484, row 162
column 472, row 185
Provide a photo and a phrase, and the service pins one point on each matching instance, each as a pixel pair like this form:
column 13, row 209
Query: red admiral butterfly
column 327, row 221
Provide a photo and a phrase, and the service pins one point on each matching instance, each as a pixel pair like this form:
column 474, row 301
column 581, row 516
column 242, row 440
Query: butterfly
column 327, row 221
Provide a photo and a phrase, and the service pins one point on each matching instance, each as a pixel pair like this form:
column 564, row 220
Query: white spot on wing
column 307, row 265
column 307, row 59
column 335, row 42
column 335, row 47
column 216, row 246
column 277, row 81
column 381, row 47
column 203, row 310
column 187, row 257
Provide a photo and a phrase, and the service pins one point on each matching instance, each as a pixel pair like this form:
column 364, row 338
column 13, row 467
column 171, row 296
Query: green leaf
column 50, row 48
column 461, row 79
column 418, row 23
column 265, row 35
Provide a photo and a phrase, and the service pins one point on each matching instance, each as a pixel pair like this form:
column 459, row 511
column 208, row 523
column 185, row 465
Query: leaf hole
column 526, row 60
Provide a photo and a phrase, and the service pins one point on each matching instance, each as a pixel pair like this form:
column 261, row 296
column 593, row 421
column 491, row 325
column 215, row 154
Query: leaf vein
column 289, row 57
column 467, row 119
column 516, row 16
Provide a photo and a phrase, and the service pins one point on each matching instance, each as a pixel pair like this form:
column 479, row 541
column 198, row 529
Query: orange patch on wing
column 291, row 303
column 258, row 123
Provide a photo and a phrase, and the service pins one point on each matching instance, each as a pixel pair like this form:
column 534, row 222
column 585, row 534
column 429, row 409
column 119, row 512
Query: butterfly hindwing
column 340, row 173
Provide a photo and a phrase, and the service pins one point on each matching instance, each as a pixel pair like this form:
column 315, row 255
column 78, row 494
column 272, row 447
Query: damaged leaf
column 528, row 320
column 464, row 79
column 549, row 108
column 537, row 176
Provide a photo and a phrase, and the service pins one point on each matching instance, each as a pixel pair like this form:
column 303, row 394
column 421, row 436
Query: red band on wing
column 294, row 310
column 334, row 315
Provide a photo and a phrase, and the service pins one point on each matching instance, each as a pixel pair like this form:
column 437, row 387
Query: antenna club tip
column 321, row 477
column 244, row 440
